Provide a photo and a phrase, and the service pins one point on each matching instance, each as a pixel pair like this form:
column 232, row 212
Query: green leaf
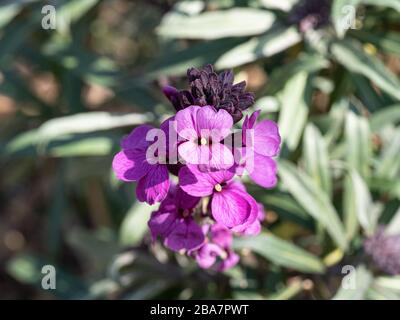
column 388, row 164
column 264, row 46
column 386, row 116
column 134, row 226
column 284, row 5
column 313, row 200
column 393, row 227
column 351, row 55
column 358, row 145
column 216, row 24
column 281, row 252
column 355, row 285
column 340, row 10
column 177, row 62
column 394, row 4
column 295, row 99
column 358, row 203
column 290, row 291
column 316, row 158
column 385, row 41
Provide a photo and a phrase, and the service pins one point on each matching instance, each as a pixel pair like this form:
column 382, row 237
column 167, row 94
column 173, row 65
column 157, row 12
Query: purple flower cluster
column 384, row 251
column 199, row 214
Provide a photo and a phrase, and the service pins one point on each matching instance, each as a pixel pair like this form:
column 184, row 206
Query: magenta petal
column 221, row 157
column 207, row 255
column 162, row 222
column 154, row 186
column 263, row 171
column 217, row 124
column 253, row 230
column 266, row 138
column 130, row 165
column 137, row 138
column 229, row 262
column 193, row 153
column 234, row 208
column 186, row 122
column 221, row 235
column 195, row 182
column 186, row 234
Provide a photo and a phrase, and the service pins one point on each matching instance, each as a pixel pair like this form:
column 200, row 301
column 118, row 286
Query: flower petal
column 195, row 182
column 186, row 234
column 186, row 122
column 207, row 255
column 162, row 221
column 234, row 208
column 262, row 171
column 221, row 157
column 154, row 186
column 229, row 262
column 266, row 138
column 137, row 138
column 216, row 125
column 130, row 165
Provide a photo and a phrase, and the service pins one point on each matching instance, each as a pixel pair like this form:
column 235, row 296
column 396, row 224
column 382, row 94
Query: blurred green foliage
column 68, row 95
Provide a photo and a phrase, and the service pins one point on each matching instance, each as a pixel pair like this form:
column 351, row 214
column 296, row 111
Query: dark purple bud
column 311, row 14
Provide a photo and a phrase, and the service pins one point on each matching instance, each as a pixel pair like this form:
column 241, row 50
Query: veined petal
column 186, row 234
column 207, row 255
column 154, row 186
column 162, row 221
column 234, row 208
column 193, row 153
column 186, row 122
column 215, row 125
column 266, row 138
column 195, row 182
column 221, row 157
column 130, row 165
column 137, row 138
column 262, row 171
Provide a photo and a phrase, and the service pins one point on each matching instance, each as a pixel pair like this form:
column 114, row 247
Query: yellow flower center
column 203, row 141
column 218, row 187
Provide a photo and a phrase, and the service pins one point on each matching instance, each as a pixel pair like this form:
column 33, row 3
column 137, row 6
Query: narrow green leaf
column 386, row 116
column 341, row 13
column 358, row 203
column 134, row 226
column 316, row 158
column 281, row 252
column 313, row 200
column 264, row 46
column 388, row 164
column 216, row 24
column 295, row 99
column 352, row 56
column 358, row 145
column 393, row 227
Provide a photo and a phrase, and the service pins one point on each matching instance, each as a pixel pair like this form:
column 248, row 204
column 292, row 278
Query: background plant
column 68, row 95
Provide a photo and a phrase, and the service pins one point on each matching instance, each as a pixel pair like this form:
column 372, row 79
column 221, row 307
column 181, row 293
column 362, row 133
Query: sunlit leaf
column 281, row 252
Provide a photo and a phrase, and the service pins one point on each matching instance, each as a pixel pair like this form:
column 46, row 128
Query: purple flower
column 216, row 251
column 231, row 205
column 384, row 251
column 207, row 88
column 174, row 222
column 255, row 228
column 133, row 164
column 261, row 141
column 203, row 129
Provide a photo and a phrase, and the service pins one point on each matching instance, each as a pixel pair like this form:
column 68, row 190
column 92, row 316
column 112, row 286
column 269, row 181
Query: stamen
column 218, row 187
column 203, row 141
